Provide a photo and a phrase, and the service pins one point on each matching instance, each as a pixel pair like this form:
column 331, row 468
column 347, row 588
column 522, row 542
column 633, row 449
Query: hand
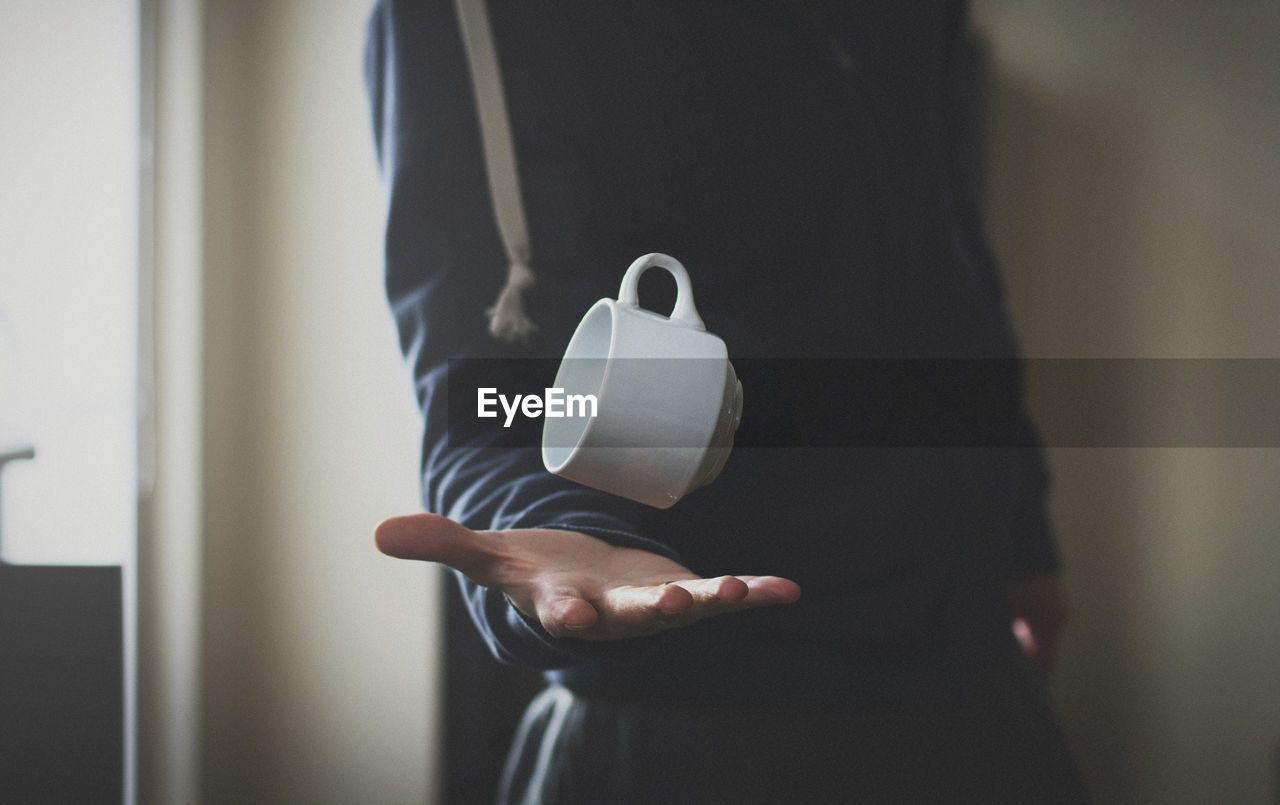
column 576, row 585
column 1039, row 608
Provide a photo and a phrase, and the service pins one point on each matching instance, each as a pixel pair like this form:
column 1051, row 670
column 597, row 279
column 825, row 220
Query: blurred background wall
column 1134, row 197
column 282, row 659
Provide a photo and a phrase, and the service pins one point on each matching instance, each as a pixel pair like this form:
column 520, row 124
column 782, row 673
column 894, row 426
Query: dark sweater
column 804, row 161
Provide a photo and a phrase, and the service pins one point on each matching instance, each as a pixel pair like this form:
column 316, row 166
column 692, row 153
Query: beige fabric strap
column 507, row 318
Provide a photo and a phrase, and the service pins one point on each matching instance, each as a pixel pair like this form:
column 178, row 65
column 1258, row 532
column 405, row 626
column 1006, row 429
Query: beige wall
column 283, row 658
column 1134, row 200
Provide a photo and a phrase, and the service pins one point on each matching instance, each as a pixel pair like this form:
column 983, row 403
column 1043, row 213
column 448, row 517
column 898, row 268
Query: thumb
column 433, row 538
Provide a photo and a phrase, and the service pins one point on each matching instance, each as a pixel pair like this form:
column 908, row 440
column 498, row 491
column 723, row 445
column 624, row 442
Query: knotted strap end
column 507, row 318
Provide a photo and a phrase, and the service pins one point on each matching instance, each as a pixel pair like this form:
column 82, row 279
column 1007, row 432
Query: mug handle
column 684, row 310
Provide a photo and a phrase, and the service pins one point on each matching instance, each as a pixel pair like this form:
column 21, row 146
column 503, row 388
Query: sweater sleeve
column 444, row 264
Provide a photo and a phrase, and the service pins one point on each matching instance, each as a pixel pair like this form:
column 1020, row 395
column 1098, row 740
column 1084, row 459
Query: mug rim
column 606, row 306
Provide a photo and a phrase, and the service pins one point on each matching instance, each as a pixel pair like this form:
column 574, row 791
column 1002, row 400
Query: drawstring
column 507, row 318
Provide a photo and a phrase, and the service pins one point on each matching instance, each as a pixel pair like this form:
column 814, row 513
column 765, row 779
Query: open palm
column 576, row 585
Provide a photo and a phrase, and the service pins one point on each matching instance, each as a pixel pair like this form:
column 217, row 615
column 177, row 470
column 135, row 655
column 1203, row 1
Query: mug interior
column 581, row 372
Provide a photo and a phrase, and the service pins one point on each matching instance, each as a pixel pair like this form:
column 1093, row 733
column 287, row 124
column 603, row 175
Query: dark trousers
column 1001, row 744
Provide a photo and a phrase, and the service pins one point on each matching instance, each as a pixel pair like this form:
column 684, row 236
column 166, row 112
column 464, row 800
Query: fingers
column 432, row 538
column 725, row 594
column 567, row 616
column 717, row 591
column 633, row 611
column 770, row 590
column 637, row 611
column 611, row 614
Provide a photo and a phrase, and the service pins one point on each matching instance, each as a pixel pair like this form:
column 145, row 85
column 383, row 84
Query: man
column 805, row 161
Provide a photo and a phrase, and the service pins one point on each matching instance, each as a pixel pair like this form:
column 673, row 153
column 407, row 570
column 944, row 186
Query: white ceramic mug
column 668, row 401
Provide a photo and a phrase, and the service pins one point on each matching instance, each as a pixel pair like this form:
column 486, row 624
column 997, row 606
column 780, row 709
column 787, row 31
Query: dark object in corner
column 61, row 684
